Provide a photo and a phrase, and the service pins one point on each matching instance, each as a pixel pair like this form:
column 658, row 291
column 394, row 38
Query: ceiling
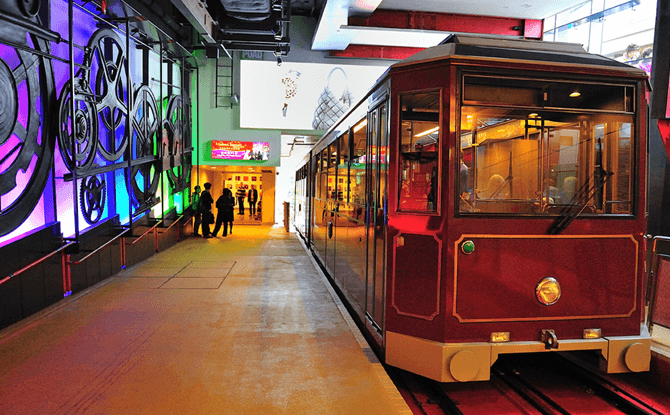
column 526, row 9
column 241, row 24
column 334, row 31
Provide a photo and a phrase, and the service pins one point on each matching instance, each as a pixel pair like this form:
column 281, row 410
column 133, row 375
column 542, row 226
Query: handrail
column 144, row 234
column 78, row 262
column 27, row 267
column 173, row 223
column 652, row 278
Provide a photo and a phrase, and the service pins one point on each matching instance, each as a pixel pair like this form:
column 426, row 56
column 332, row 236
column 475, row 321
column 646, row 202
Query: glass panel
column 357, row 176
column 518, row 161
column 332, row 179
column 380, row 220
column 479, row 90
column 419, row 151
column 373, row 130
column 343, row 169
column 574, row 13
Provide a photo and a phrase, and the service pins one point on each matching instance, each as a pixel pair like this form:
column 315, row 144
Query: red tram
column 487, row 196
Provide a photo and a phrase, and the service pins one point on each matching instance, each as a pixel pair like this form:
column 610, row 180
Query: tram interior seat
column 569, row 184
column 497, row 188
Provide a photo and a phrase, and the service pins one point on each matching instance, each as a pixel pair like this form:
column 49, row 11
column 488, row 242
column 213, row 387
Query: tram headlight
column 548, row 291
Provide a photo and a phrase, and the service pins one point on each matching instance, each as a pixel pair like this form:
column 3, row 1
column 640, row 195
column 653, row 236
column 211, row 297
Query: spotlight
column 278, row 60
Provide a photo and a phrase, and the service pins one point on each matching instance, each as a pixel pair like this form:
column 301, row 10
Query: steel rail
column 80, row 261
column 153, row 228
column 652, row 278
column 34, row 263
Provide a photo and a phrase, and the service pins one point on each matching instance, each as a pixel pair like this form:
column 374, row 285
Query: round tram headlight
column 548, row 291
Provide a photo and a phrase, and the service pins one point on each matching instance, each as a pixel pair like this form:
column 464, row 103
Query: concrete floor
column 235, row 325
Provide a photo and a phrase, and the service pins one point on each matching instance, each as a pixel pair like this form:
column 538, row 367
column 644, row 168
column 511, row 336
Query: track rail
column 548, row 385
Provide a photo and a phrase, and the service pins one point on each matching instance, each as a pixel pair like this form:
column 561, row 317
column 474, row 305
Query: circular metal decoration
column 29, row 8
column 180, row 176
column 26, row 142
column 548, row 291
column 107, row 59
column 81, row 136
column 92, row 195
column 173, row 124
column 9, row 102
column 145, row 177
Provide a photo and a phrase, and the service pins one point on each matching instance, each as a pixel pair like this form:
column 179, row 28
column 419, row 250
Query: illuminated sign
column 240, row 150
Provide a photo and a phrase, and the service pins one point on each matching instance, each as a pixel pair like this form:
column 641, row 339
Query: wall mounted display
column 300, row 96
column 240, row 150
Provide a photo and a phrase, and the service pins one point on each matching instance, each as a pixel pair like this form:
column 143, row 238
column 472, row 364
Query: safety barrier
column 658, row 280
column 60, row 250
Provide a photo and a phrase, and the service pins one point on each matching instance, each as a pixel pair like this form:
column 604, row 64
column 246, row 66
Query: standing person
column 206, row 201
column 226, row 212
column 195, row 206
column 252, row 197
column 240, row 194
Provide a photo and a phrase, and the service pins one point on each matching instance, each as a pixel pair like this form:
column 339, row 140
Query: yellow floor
column 236, row 325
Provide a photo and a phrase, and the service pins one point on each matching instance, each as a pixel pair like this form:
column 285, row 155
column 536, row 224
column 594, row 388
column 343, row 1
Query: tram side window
column 357, row 177
column 419, row 152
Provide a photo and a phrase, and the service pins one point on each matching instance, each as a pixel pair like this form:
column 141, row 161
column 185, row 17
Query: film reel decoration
column 172, row 129
column 92, row 196
column 80, row 136
column 187, row 139
column 146, row 176
column 173, row 142
column 29, row 8
column 26, row 143
column 107, row 59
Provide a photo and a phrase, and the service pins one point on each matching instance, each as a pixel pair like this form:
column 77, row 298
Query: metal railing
column 64, row 267
column 152, row 229
column 67, row 262
column 652, row 276
column 176, row 221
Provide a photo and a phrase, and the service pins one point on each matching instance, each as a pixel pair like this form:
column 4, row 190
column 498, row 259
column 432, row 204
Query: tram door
column 376, row 214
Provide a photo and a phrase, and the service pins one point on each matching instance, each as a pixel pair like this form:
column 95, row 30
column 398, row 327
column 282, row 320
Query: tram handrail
column 34, row 263
column 652, row 279
column 78, row 262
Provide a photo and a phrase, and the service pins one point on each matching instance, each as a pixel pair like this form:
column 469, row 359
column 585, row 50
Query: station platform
column 238, row 325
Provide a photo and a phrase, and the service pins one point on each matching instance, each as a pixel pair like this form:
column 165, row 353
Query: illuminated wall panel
column 84, row 167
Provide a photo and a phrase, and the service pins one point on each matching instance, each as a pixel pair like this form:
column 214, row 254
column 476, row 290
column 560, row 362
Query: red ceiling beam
column 450, row 22
column 375, row 52
column 445, row 22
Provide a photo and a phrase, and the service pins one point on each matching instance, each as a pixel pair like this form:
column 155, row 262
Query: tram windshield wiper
column 574, row 208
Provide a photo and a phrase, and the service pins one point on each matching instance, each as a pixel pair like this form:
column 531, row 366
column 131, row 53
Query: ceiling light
column 532, row 115
column 575, row 94
column 432, row 130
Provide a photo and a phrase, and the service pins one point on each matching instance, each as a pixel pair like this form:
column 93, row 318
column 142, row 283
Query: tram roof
column 516, row 49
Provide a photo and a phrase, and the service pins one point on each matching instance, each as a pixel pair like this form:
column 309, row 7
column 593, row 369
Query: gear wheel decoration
column 107, row 59
column 173, row 142
column 80, row 136
column 26, row 143
column 92, row 196
column 145, row 177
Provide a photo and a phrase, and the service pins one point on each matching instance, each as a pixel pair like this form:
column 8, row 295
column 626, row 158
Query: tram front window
column 538, row 162
column 419, row 152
